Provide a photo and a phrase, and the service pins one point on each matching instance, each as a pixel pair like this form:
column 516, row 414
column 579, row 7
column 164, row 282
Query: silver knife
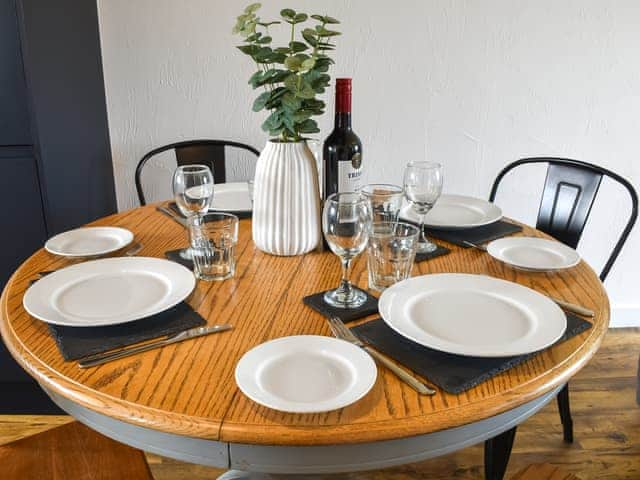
column 171, row 215
column 100, row 358
column 341, row 331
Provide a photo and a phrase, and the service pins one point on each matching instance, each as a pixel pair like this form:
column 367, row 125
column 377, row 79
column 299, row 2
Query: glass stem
column 345, row 284
column 423, row 237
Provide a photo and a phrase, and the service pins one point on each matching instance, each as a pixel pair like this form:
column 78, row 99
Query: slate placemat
column 77, row 342
column 476, row 235
column 421, row 257
column 174, row 256
column 240, row 214
column 316, row 301
column 452, row 373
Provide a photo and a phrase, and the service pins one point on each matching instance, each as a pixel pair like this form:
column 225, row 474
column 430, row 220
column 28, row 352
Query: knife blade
column 100, row 358
column 164, row 210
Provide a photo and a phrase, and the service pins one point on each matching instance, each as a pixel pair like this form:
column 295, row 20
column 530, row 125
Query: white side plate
column 89, row 241
column 453, row 212
column 108, row 291
column 305, row 374
column 531, row 253
column 472, row 315
column 231, row 197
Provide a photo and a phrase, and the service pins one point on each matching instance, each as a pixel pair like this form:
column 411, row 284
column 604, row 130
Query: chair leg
column 497, row 451
column 565, row 413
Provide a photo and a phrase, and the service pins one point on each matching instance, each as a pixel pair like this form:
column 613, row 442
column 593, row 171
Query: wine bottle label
column 350, row 174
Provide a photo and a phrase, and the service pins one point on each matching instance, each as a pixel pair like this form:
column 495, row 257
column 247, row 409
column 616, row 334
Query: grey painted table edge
column 303, row 460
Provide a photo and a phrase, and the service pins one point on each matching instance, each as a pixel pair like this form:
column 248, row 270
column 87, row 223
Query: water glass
column 346, row 220
column 385, row 200
column 391, row 253
column 213, row 242
column 422, row 187
column 193, row 189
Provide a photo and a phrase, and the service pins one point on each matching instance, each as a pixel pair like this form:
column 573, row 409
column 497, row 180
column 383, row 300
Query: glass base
column 426, row 247
column 340, row 298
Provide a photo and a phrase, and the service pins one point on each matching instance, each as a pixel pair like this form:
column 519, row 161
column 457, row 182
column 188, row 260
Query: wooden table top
column 189, row 388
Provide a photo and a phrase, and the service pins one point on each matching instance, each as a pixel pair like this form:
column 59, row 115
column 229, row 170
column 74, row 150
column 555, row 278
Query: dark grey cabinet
column 55, row 159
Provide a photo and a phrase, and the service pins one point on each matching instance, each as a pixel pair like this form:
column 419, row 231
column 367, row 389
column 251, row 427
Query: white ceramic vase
column 286, row 200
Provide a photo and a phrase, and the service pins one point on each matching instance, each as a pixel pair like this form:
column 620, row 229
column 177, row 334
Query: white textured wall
column 473, row 84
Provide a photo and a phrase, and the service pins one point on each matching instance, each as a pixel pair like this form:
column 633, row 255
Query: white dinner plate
column 305, row 374
column 108, row 291
column 531, row 253
column 89, row 241
column 453, row 212
column 231, row 197
column 472, row 315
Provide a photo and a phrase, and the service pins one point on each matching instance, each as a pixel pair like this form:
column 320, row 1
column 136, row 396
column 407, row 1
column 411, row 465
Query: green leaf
column 310, row 36
column 248, row 49
column 252, row 8
column 308, row 64
column 283, row 50
column 287, row 13
column 266, row 39
column 297, row 47
column 293, row 63
column 273, row 121
column 291, row 82
column 302, row 115
column 260, row 102
column 322, row 64
column 291, row 102
column 323, row 32
column 308, row 126
column 268, row 24
column 300, row 17
column 306, row 91
column 275, row 97
column 325, row 19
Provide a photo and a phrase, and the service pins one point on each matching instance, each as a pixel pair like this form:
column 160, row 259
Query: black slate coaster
column 421, row 257
column 240, row 214
column 316, row 301
column 174, row 256
column 452, row 373
column 77, row 342
column 476, row 235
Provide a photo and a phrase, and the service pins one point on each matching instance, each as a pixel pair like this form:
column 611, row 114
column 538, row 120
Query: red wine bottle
column 342, row 152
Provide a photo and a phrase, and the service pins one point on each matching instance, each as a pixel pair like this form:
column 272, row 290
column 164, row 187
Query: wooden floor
column 606, row 420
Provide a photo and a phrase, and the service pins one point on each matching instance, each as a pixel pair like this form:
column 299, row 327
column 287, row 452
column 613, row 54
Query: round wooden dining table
column 181, row 401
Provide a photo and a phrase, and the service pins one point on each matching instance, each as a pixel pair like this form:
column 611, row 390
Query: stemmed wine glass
column 346, row 221
column 193, row 193
column 422, row 187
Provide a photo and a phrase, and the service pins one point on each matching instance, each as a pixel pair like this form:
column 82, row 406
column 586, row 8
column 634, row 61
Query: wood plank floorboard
column 606, row 419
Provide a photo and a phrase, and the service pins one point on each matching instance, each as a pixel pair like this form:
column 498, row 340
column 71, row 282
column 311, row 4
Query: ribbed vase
column 286, row 200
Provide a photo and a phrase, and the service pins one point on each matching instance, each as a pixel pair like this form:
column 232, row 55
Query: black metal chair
column 206, row 152
column 569, row 192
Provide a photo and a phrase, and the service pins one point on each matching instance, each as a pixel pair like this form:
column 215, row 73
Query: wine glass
column 422, row 187
column 193, row 193
column 346, row 221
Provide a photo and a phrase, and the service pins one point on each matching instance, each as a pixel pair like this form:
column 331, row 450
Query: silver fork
column 341, row 331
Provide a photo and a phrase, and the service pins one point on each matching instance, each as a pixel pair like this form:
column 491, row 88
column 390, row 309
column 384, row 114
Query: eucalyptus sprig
column 292, row 76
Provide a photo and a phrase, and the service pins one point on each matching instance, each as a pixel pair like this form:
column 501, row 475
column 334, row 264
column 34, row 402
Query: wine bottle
column 342, row 151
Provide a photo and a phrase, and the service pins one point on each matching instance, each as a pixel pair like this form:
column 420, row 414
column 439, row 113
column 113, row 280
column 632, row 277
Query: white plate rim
column 493, row 217
column 126, row 235
column 247, row 367
column 493, row 249
column 32, row 297
column 230, row 187
column 554, row 317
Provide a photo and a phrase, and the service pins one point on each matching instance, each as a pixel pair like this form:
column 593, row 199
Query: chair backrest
column 205, row 152
column 569, row 192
